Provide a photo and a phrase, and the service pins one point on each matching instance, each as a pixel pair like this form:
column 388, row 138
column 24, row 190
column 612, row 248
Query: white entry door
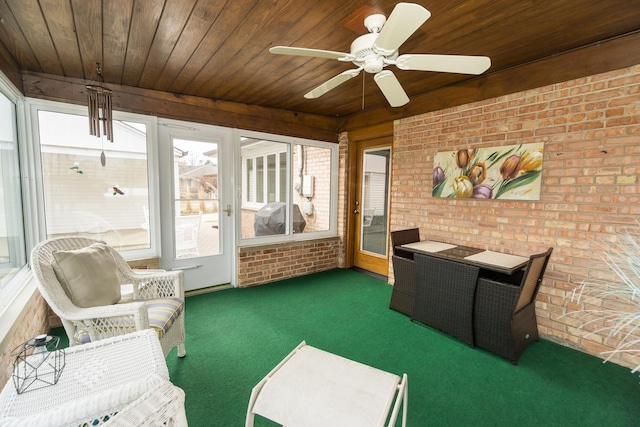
column 196, row 202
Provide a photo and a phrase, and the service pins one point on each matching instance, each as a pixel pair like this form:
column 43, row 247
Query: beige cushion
column 88, row 275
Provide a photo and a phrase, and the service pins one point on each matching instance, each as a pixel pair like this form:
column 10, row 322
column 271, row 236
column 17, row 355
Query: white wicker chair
column 117, row 319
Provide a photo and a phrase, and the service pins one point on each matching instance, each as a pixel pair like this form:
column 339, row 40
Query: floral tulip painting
column 509, row 172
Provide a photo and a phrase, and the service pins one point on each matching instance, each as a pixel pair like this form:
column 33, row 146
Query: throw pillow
column 88, row 275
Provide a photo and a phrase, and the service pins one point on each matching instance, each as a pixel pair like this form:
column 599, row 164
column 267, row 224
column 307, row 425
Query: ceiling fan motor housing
column 366, row 56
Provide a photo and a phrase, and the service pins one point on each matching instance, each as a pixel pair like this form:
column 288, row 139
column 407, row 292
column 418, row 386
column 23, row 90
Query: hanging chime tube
column 100, row 110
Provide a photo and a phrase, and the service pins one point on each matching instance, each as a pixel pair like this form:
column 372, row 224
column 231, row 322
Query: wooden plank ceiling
column 219, row 49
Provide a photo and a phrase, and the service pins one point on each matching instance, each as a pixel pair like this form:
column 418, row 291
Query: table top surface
column 318, row 388
column 495, row 261
column 124, row 364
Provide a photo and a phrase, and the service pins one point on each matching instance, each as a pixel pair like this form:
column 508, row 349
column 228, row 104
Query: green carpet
column 236, row 336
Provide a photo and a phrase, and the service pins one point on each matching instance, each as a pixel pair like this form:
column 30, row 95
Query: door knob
column 356, row 211
column 228, row 210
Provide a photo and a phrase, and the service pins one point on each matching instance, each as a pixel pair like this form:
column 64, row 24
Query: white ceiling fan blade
column 405, row 19
column 301, row 51
column 444, row 63
column 391, row 88
column 332, row 83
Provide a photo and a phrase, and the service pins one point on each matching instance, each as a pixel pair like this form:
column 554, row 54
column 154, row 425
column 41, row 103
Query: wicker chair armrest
column 137, row 310
column 157, row 285
column 507, row 291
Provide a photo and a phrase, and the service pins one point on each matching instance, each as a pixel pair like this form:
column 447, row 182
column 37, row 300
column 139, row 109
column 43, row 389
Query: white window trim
column 333, row 208
column 21, row 288
column 34, row 105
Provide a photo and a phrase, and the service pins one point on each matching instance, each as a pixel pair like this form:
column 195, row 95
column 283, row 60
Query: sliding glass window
column 288, row 187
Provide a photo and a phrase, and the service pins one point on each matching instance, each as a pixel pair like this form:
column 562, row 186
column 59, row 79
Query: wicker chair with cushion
column 404, row 288
column 504, row 314
column 81, row 280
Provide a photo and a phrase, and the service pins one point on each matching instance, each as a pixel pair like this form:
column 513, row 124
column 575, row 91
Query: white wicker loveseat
column 157, row 302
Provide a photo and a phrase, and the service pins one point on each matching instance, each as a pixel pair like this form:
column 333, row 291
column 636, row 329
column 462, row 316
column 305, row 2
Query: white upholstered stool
column 312, row 387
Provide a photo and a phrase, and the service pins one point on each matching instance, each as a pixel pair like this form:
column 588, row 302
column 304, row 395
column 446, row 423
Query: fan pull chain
column 363, row 78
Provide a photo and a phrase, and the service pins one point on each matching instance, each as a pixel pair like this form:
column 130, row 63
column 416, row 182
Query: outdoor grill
column 272, row 219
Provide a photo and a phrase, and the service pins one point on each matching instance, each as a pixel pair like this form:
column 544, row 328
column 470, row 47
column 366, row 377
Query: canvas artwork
column 507, row 172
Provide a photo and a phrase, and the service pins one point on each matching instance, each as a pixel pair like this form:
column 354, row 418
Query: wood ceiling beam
column 597, row 58
column 188, row 108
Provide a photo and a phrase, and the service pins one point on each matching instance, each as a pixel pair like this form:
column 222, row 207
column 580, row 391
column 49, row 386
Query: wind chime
column 100, row 110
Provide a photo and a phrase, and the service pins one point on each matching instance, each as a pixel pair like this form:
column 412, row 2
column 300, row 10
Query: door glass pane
column 82, row 196
column 375, row 190
column 197, row 209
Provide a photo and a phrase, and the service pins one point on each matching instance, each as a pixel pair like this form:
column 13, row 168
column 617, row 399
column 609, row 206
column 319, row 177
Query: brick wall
column 317, row 163
column 264, row 264
column 33, row 322
column 590, row 128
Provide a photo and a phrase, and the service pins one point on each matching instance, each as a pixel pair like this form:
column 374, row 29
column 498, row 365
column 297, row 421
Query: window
column 12, row 237
column 93, row 187
column 289, row 187
column 267, row 182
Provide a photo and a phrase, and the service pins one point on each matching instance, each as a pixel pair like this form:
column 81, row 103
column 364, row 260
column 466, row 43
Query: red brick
column 590, row 186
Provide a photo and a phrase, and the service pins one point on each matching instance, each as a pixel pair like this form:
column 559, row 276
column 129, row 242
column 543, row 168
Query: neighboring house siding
column 84, row 202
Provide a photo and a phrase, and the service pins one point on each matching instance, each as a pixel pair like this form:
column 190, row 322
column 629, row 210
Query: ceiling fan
column 378, row 49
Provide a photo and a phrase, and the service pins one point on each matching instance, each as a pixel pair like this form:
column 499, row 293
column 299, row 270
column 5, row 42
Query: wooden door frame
column 356, row 136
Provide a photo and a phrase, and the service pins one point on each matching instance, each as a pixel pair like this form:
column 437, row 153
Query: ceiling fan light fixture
column 373, row 64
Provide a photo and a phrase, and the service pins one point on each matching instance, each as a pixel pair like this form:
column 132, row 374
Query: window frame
column 35, row 105
column 254, row 204
column 241, row 180
column 16, row 291
column 10, row 165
